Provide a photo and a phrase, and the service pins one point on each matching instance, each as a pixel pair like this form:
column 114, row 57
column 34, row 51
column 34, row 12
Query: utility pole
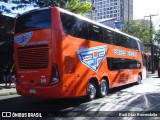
column 128, row 19
column 128, row 11
column 152, row 45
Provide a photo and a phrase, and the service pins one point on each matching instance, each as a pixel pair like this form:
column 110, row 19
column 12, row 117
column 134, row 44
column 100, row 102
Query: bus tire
column 102, row 88
column 139, row 79
column 91, row 94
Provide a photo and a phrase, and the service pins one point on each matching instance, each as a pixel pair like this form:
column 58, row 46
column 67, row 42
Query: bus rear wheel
column 102, row 89
column 91, row 91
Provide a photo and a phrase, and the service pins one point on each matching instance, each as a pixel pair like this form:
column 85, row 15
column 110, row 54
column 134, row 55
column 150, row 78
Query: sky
column 143, row 8
column 20, row 10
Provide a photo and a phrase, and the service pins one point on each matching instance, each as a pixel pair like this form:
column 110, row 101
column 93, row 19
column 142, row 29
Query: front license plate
column 32, row 91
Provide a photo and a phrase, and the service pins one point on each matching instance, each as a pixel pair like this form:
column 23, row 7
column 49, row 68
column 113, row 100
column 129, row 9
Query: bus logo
column 92, row 57
column 23, row 39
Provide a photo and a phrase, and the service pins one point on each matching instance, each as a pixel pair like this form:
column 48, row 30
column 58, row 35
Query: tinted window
column 108, row 36
column 95, row 32
column 143, row 60
column 134, row 44
column 113, row 63
column 81, row 29
column 123, row 64
column 141, row 46
column 119, row 40
column 127, row 42
column 133, row 64
column 119, row 63
column 74, row 26
column 33, row 20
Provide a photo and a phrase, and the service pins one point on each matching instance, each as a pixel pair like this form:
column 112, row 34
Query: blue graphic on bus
column 23, row 38
column 92, row 57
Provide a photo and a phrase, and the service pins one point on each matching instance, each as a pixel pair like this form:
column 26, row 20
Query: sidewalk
column 150, row 75
column 12, row 90
column 7, row 90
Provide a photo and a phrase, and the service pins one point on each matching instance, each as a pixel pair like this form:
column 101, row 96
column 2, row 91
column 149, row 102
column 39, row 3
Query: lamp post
column 152, row 45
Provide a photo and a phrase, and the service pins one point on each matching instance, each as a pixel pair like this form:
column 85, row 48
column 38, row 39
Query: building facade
column 118, row 9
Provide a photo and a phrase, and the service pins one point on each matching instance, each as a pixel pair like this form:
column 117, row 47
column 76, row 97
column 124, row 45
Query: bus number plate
column 32, row 91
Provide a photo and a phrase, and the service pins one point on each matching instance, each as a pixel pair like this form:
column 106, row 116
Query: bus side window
column 134, row 44
column 74, row 26
column 81, row 29
column 119, row 40
column 144, row 60
column 95, row 33
column 122, row 64
column 108, row 36
column 131, row 64
column 127, row 42
column 113, row 63
column 68, row 23
column 134, row 64
column 141, row 46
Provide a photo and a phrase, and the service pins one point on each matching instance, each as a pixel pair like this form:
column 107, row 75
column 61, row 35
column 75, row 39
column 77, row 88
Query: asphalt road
column 143, row 98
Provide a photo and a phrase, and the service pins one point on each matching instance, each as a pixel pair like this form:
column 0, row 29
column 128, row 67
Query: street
column 142, row 97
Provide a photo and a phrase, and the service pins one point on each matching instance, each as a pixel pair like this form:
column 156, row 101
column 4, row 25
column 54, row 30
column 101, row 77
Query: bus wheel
column 91, row 91
column 139, row 79
column 102, row 89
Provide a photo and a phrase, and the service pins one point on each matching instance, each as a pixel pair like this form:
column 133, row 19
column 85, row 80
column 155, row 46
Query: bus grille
column 33, row 57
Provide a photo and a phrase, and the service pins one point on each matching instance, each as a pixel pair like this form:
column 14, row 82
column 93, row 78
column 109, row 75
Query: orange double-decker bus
column 59, row 54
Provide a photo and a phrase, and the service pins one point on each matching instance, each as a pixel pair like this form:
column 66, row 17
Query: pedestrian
column 6, row 75
column 12, row 74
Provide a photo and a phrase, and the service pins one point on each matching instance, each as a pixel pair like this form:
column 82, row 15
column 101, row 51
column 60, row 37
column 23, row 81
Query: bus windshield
column 33, row 21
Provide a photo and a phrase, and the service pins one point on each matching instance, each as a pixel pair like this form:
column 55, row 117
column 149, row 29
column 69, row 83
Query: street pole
column 152, row 45
column 128, row 26
column 128, row 11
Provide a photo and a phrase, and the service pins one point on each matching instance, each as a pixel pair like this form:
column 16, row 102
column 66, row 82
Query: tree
column 70, row 5
column 139, row 29
column 157, row 37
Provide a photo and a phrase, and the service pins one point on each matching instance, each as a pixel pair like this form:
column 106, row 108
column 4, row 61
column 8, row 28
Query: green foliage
column 79, row 8
column 157, row 37
column 139, row 29
column 70, row 5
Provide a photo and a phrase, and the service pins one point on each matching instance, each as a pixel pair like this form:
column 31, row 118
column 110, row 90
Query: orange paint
column 54, row 64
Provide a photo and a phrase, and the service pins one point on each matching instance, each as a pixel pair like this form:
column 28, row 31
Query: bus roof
column 83, row 18
column 96, row 23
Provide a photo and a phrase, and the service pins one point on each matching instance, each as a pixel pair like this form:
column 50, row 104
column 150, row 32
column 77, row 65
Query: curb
column 10, row 93
column 4, row 91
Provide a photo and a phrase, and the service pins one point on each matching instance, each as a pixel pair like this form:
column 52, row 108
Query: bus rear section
column 33, row 53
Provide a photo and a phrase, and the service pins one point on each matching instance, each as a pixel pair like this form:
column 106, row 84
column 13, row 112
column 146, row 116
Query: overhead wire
column 157, row 23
